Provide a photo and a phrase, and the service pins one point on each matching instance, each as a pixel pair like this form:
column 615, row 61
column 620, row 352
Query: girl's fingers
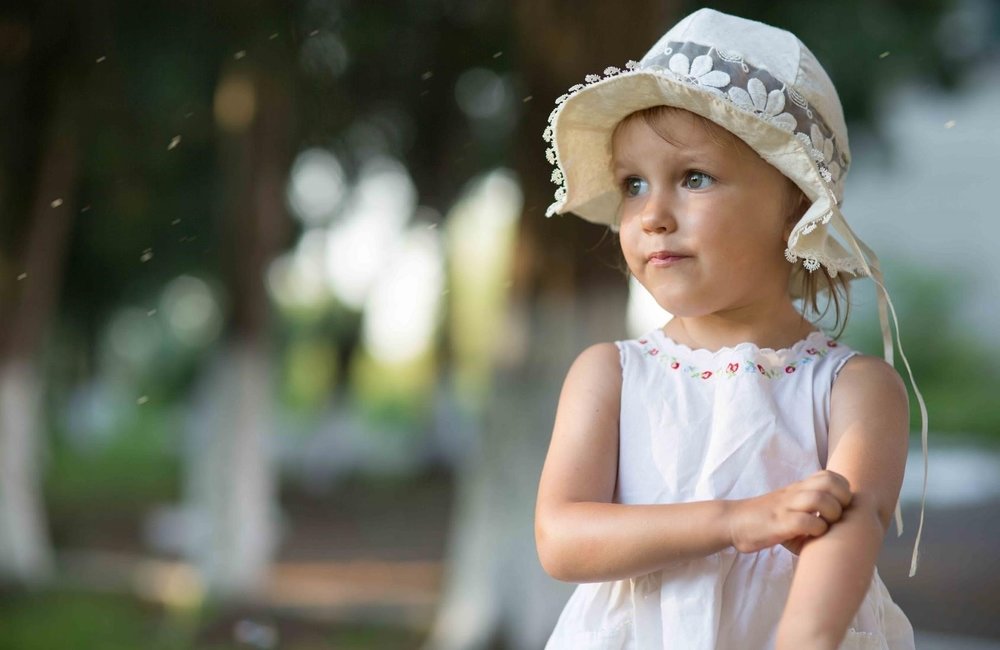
column 810, row 524
column 815, row 501
column 830, row 508
column 833, row 483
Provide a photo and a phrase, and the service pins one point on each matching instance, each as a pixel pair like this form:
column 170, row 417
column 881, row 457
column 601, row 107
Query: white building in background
column 930, row 199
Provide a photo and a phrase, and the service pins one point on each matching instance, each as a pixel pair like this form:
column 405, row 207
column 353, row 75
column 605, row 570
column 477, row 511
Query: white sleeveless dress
column 731, row 424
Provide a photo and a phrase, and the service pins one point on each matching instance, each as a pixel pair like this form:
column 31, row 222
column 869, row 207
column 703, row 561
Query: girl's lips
column 666, row 258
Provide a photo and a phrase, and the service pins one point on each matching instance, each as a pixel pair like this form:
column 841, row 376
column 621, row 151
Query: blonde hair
column 809, row 285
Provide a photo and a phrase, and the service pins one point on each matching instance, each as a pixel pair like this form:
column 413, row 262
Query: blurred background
column 283, row 327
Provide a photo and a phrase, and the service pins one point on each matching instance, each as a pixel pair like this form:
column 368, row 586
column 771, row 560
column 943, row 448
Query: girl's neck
column 716, row 331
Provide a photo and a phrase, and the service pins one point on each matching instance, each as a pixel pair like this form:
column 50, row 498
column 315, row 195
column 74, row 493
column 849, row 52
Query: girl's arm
column 869, row 428
column 582, row 537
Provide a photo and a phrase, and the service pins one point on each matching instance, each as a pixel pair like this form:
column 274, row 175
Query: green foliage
column 309, row 374
column 46, row 621
column 956, row 371
column 135, row 468
column 67, row 619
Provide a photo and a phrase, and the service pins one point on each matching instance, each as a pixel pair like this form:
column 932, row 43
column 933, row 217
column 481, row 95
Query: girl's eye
column 634, row 186
column 697, row 180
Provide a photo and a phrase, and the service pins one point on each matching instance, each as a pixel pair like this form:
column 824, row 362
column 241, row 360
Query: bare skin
column 694, row 199
column 869, row 423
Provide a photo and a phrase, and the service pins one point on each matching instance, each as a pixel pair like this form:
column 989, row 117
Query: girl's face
column 704, row 220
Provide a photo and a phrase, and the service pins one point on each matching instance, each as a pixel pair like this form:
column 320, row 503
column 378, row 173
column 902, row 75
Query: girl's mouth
column 666, row 258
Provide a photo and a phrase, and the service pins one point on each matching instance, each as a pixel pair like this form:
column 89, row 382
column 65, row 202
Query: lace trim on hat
column 833, row 265
column 727, row 76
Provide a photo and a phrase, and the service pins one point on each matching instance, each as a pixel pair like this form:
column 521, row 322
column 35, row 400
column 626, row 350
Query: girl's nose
column 658, row 214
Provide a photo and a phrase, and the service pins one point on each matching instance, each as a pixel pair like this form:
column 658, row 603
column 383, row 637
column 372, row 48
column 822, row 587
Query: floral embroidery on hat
column 822, row 150
column 768, row 105
column 698, row 71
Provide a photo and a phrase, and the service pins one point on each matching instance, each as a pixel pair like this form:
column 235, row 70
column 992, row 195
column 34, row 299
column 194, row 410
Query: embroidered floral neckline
column 744, row 358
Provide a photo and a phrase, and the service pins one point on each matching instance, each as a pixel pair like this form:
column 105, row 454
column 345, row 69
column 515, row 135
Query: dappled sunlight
column 134, row 337
column 368, row 234
column 235, row 102
column 480, row 238
column 404, row 306
column 481, row 93
column 316, row 186
column 192, row 311
column 296, row 280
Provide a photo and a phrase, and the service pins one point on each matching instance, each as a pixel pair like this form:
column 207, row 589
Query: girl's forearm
column 834, row 572
column 592, row 542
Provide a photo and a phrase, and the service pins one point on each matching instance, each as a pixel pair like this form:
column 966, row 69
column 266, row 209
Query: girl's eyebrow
column 619, row 167
column 691, row 157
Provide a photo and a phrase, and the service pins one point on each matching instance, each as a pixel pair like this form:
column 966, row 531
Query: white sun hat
column 756, row 81
column 763, row 85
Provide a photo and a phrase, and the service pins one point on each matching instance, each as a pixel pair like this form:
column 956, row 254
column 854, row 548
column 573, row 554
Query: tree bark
column 231, row 480
column 25, row 548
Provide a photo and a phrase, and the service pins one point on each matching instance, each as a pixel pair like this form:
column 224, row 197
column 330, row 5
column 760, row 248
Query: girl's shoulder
column 596, row 371
column 868, row 375
column 600, row 358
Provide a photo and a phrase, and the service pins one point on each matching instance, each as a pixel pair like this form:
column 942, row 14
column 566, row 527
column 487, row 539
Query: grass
column 53, row 620
column 134, row 468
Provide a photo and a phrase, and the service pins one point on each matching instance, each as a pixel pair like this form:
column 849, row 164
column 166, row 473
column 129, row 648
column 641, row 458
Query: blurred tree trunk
column 566, row 296
column 26, row 309
column 231, row 480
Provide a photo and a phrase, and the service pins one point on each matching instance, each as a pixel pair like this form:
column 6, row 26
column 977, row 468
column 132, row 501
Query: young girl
column 725, row 481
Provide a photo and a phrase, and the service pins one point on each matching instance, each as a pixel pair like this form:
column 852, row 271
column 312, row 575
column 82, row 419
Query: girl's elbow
column 553, row 554
column 553, row 565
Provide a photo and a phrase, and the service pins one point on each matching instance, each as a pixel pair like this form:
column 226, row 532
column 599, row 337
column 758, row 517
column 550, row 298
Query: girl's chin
column 683, row 309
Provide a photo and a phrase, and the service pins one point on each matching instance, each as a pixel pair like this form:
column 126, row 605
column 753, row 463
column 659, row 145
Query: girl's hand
column 790, row 515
